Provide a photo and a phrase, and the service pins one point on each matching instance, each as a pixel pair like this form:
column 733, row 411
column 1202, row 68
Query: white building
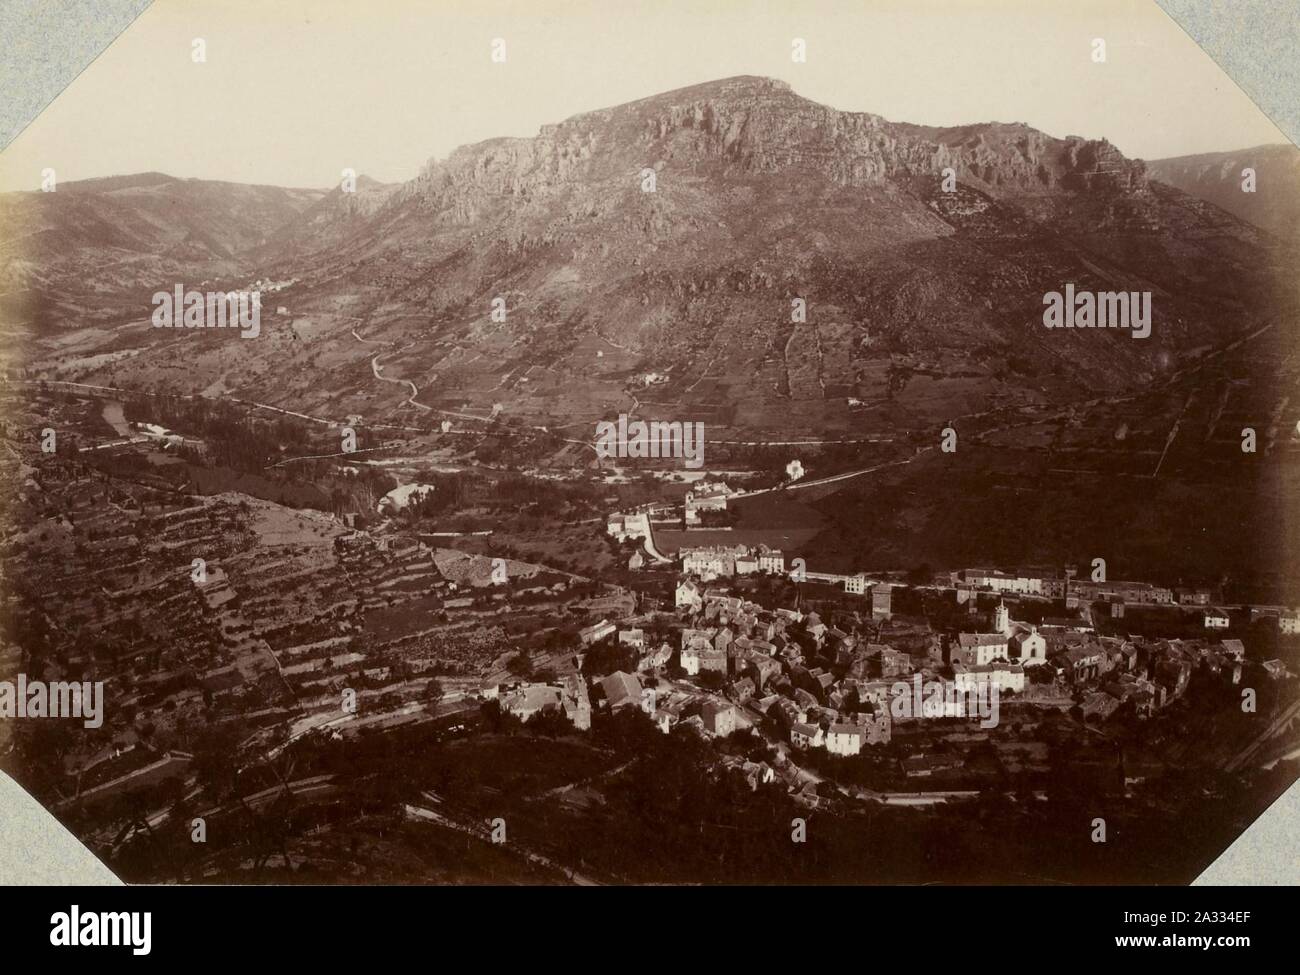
column 691, row 660
column 569, row 696
column 707, row 565
column 695, row 644
column 978, row 649
column 633, row 638
column 1005, row 582
column 844, row 739
column 688, row 595
column 1028, row 646
column 805, row 736
column 771, row 560
column 706, row 496
column 626, row 525
column 1216, row 619
column 977, row 679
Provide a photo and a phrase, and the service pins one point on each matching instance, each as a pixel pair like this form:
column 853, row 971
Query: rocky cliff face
column 758, row 126
column 755, row 183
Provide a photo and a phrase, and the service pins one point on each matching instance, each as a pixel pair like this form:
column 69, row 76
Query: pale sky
column 294, row 91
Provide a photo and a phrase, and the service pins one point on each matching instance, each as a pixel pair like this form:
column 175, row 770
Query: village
column 236, row 633
column 722, row 662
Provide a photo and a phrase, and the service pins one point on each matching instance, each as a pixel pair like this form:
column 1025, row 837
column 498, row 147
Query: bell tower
column 1002, row 620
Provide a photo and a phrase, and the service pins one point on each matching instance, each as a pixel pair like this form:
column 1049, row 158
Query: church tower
column 1002, row 620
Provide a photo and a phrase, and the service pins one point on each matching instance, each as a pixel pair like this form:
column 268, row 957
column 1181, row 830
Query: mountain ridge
column 760, row 196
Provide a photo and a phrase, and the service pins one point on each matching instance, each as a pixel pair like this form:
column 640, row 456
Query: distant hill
column 1217, row 178
column 92, row 240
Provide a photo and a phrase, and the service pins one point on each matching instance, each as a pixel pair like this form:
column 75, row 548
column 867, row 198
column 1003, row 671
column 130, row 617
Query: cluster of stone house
column 526, row 700
column 997, row 658
column 1287, row 619
column 760, row 654
column 1078, row 593
column 839, row 698
column 724, row 561
column 1105, row 669
column 709, row 714
column 706, row 713
column 759, row 663
column 712, row 562
column 705, row 496
column 626, row 525
column 1112, row 671
column 1069, row 587
column 843, row 735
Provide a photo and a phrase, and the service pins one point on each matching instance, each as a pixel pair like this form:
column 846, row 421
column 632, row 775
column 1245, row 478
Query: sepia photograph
column 627, row 443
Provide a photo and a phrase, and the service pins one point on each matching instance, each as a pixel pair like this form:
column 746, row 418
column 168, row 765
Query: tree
column 922, row 575
column 433, row 693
